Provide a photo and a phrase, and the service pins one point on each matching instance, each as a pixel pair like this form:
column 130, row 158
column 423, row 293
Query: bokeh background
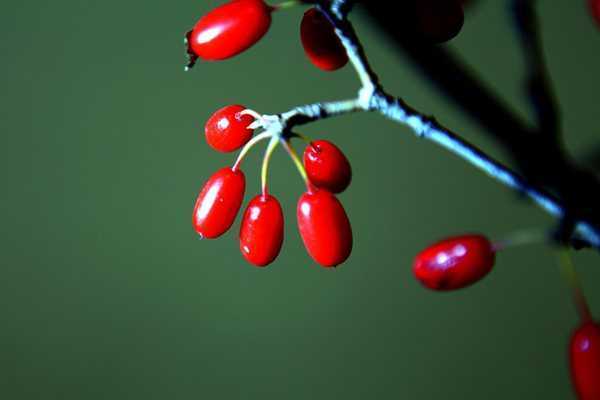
column 107, row 293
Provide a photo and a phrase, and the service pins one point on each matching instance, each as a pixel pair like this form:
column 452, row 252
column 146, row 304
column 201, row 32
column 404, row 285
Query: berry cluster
column 322, row 221
column 323, row 224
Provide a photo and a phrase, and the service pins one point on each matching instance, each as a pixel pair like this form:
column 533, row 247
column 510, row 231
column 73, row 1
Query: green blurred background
column 107, row 293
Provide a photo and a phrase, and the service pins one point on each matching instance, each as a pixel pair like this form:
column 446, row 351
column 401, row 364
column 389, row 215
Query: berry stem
column 251, row 113
column 572, row 278
column 520, row 238
column 286, row 4
column 296, row 159
column 301, row 137
column 265, row 164
column 248, row 146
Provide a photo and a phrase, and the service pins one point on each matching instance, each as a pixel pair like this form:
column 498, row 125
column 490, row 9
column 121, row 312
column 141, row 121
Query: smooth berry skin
column 230, row 29
column 219, row 202
column 327, row 167
column 324, row 227
column 226, row 130
column 261, row 233
column 584, row 351
column 321, row 45
column 455, row 262
column 439, row 20
column 595, row 10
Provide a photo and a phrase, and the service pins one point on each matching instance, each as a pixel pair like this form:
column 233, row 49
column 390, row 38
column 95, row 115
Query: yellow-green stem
column 302, row 137
column 249, row 146
column 521, row 238
column 572, row 278
column 265, row 164
column 286, row 4
column 296, row 159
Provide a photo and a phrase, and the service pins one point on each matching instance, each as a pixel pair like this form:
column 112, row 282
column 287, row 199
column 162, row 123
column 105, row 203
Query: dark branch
column 537, row 83
column 542, row 161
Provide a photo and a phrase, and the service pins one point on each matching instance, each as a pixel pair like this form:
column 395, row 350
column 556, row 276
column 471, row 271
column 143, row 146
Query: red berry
column 321, row 44
column 455, row 262
column 439, row 20
column 327, row 167
column 595, row 10
column 585, row 361
column 261, row 234
column 226, row 129
column 230, row 29
column 219, row 202
column 324, row 227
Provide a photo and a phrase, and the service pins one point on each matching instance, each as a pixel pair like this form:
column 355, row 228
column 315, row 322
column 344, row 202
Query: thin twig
column 538, row 86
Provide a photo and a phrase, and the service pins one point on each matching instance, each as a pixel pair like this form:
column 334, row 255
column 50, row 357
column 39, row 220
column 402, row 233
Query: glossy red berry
column 230, row 29
column 219, row 202
column 321, row 45
column 226, row 130
column 261, row 234
column 455, row 262
column 438, row 20
column 595, row 10
column 585, row 361
column 327, row 167
column 324, row 227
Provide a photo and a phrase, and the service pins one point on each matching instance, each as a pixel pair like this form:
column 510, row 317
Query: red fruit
column 585, row 361
column 439, row 20
column 324, row 227
column 595, row 10
column 261, row 234
column 230, row 29
column 219, row 202
column 327, row 167
column 226, row 129
column 455, row 262
column 321, row 44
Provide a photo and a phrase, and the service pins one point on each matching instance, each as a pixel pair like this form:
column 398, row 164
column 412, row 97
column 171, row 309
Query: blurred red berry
column 226, row 130
column 324, row 227
column 438, row 20
column 455, row 262
column 585, row 361
column 219, row 202
column 230, row 29
column 595, row 10
column 261, row 233
column 321, row 45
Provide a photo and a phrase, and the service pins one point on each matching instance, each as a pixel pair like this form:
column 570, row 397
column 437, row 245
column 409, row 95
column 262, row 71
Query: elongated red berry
column 226, row 130
column 585, row 361
column 230, row 29
column 438, row 20
column 595, row 10
column 261, row 234
column 327, row 167
column 455, row 262
column 324, row 227
column 219, row 202
column 321, row 45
